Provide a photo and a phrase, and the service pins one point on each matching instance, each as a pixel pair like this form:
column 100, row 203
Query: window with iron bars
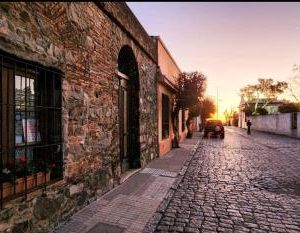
column 165, row 116
column 31, row 127
column 183, row 119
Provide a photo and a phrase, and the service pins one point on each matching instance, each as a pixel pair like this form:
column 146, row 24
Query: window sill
column 35, row 186
column 164, row 139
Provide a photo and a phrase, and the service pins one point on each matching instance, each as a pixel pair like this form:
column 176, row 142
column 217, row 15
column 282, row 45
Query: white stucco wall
column 284, row 123
column 277, row 123
column 242, row 122
column 264, row 123
column 167, row 64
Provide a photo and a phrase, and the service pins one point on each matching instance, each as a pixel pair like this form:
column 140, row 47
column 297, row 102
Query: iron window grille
column 31, row 127
column 165, row 116
column 183, row 120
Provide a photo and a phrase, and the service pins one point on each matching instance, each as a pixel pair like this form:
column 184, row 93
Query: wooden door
column 124, row 127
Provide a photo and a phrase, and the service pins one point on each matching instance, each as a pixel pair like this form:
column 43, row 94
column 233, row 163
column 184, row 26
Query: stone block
column 5, row 226
column 44, row 207
column 75, row 189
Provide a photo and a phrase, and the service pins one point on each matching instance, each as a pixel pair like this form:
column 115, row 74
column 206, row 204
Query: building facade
column 271, row 108
column 166, row 88
column 78, row 107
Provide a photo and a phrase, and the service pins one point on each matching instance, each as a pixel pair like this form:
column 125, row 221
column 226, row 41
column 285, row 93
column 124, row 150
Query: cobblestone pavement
column 244, row 183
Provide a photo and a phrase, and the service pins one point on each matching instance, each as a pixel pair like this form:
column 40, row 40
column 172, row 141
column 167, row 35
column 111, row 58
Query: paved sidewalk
column 129, row 207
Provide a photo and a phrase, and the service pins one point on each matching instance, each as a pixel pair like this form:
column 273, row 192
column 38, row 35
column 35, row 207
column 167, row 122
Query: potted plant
column 43, row 172
column 37, row 173
column 8, row 181
column 23, row 173
column 15, row 182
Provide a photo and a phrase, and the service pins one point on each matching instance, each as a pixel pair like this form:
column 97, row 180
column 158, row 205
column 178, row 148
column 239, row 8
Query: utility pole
column 217, row 105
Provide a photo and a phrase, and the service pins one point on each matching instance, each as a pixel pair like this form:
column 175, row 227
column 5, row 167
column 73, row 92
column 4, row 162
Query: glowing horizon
column 233, row 44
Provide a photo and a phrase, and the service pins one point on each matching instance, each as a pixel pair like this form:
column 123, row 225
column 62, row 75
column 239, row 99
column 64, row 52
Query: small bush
column 261, row 111
column 290, row 107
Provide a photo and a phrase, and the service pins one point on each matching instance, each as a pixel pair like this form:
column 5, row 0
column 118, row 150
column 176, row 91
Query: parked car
column 215, row 127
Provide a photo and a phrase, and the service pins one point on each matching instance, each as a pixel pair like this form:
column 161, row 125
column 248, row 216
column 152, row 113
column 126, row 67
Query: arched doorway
column 129, row 109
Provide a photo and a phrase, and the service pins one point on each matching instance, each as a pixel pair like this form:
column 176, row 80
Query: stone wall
column 83, row 41
column 122, row 14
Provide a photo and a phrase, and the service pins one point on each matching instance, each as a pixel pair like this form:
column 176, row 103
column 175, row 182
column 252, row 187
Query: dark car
column 215, row 127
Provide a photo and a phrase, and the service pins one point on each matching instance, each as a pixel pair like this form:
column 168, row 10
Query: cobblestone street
column 244, row 183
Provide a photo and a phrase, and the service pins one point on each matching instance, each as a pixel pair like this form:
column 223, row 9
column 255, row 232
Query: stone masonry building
column 78, row 107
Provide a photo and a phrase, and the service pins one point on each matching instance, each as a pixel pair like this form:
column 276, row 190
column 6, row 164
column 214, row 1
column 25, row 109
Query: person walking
column 248, row 126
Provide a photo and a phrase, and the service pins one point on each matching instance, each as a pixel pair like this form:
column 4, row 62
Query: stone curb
column 153, row 222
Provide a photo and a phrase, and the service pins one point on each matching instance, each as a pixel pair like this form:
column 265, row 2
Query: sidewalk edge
column 156, row 217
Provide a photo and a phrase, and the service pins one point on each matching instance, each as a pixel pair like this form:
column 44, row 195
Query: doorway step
column 128, row 174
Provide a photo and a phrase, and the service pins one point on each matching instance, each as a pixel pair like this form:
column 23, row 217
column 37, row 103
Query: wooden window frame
column 31, row 127
column 183, row 120
column 165, row 119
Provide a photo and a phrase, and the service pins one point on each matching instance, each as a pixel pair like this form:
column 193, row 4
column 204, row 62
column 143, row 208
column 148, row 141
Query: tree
column 248, row 92
column 261, row 111
column 251, row 93
column 235, row 117
column 266, row 88
column 249, row 109
column 228, row 115
column 294, row 84
column 290, row 107
column 270, row 89
column 191, row 87
column 207, row 108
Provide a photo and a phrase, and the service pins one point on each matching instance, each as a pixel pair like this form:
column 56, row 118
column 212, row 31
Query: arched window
column 183, row 119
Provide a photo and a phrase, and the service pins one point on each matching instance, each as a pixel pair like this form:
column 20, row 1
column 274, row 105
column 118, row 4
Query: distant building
column 166, row 88
column 272, row 108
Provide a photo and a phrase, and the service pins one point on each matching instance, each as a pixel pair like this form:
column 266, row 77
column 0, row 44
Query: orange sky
column 234, row 44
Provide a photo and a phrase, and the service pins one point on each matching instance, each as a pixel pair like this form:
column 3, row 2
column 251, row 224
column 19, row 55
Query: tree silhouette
column 228, row 115
column 191, row 87
column 294, row 84
column 264, row 88
column 289, row 107
column 207, row 108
